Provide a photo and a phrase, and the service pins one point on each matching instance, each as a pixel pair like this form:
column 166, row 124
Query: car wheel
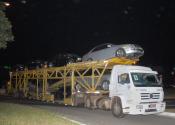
column 89, row 59
column 117, row 110
column 105, row 85
column 120, row 52
column 70, row 61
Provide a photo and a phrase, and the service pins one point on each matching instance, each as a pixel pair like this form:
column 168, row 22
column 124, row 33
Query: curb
column 167, row 114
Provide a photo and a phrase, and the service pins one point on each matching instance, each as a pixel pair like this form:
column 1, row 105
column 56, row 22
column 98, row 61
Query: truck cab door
column 119, row 82
column 123, row 84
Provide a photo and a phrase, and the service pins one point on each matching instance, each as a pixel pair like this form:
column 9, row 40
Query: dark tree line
column 6, row 35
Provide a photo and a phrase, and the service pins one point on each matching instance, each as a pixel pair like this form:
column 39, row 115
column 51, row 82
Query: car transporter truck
column 115, row 84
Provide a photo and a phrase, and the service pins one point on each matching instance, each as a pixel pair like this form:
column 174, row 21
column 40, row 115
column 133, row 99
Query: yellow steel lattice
column 69, row 75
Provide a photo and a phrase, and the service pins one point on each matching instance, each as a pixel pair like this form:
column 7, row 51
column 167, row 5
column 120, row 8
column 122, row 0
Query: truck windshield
column 145, row 80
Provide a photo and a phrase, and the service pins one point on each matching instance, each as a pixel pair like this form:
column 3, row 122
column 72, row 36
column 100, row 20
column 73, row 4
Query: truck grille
column 145, row 96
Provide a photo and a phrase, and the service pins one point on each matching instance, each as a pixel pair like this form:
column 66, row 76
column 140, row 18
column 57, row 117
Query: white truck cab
column 135, row 90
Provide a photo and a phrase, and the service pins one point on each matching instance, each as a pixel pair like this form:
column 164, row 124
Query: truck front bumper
column 145, row 108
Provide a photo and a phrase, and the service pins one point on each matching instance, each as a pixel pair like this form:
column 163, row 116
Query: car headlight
column 79, row 59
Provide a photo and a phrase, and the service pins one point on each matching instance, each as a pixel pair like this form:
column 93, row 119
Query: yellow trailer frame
column 69, row 75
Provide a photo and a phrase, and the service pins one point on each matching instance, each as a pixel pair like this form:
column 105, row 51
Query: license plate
column 152, row 106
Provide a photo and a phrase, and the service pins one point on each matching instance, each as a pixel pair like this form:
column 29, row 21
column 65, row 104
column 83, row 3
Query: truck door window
column 123, row 78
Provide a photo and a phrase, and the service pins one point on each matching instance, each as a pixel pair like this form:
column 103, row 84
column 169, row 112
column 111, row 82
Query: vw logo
column 151, row 95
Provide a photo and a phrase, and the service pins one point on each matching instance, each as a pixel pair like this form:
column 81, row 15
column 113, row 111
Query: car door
column 101, row 52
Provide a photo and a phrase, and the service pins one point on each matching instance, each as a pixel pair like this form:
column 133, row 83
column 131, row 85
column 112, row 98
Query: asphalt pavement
column 99, row 117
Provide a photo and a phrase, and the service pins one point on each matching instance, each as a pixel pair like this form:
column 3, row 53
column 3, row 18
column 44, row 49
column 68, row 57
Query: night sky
column 44, row 28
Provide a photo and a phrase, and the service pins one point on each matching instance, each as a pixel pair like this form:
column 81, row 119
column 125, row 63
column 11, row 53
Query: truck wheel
column 88, row 103
column 100, row 104
column 103, row 104
column 117, row 110
column 74, row 100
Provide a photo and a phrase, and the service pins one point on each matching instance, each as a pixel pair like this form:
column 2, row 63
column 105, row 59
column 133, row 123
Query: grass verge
column 169, row 93
column 170, row 110
column 16, row 114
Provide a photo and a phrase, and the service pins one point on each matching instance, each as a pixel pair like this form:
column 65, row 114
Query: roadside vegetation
column 16, row 114
column 169, row 93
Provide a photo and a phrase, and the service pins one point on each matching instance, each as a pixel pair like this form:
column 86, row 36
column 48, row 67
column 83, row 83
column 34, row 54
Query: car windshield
column 145, row 80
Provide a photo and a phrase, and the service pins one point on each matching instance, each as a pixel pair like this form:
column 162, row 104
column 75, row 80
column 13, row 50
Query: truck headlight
column 139, row 106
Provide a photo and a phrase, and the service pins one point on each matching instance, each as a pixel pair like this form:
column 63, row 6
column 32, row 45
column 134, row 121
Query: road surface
column 95, row 117
column 100, row 117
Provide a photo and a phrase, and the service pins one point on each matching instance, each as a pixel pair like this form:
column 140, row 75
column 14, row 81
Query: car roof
column 105, row 44
column 101, row 45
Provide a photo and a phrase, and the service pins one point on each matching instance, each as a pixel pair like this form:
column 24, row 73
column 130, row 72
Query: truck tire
column 101, row 103
column 74, row 100
column 87, row 103
column 117, row 110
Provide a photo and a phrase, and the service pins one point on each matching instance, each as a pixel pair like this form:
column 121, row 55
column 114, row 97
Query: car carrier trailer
column 115, row 84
